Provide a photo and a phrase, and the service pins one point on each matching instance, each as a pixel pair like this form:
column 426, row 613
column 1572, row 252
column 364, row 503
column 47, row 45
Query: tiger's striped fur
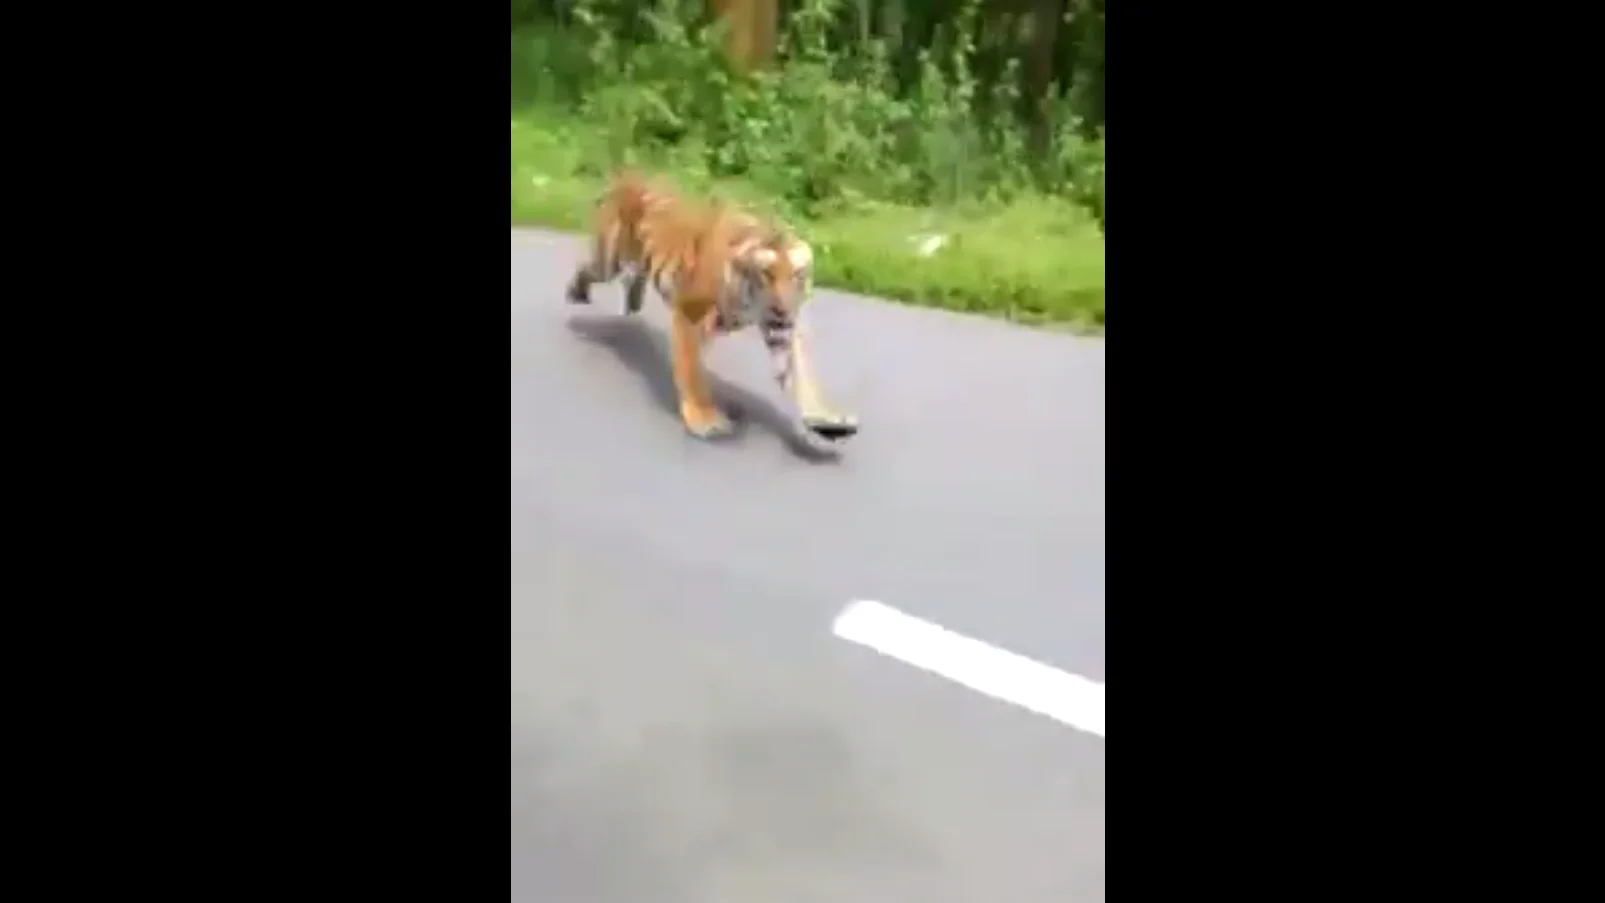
column 719, row 270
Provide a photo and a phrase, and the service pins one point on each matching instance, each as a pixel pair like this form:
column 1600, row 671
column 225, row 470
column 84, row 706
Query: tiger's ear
column 757, row 259
column 800, row 255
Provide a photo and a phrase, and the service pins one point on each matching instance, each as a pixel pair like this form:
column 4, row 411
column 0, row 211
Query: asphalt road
column 685, row 727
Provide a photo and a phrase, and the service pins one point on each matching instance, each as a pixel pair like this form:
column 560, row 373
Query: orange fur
column 708, row 260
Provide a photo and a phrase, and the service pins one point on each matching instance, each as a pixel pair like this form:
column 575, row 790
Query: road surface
column 686, row 727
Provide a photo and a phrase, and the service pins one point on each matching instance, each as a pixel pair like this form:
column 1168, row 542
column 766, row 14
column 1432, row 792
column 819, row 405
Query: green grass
column 1037, row 260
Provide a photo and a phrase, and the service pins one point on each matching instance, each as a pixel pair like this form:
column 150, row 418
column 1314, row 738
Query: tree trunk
column 1046, row 18
column 750, row 41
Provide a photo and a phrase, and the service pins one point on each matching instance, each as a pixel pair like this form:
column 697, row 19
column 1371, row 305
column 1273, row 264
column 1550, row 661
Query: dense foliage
column 947, row 153
column 940, row 102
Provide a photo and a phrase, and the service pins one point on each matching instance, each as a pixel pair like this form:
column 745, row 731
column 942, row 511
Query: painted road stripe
column 1067, row 698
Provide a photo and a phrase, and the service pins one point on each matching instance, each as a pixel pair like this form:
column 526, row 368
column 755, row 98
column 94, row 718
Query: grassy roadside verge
column 1035, row 260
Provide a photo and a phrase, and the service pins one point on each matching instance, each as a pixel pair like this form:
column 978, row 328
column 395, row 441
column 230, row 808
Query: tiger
column 719, row 270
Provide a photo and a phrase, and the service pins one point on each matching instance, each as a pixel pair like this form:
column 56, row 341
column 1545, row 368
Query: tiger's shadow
column 645, row 351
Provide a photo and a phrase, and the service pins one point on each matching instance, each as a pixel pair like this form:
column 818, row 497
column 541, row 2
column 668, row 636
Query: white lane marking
column 1067, row 698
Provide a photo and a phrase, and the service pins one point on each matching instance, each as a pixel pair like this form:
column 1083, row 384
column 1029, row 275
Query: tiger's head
column 777, row 267
column 746, row 270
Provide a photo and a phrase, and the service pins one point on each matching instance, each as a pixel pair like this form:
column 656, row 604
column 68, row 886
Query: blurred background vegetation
column 947, row 152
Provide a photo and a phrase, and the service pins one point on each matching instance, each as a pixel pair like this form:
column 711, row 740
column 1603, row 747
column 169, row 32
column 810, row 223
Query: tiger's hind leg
column 635, row 292
column 585, row 276
column 601, row 267
column 579, row 288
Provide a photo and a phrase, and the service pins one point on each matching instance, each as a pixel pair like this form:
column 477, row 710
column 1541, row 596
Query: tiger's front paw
column 705, row 423
column 831, row 426
column 577, row 293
